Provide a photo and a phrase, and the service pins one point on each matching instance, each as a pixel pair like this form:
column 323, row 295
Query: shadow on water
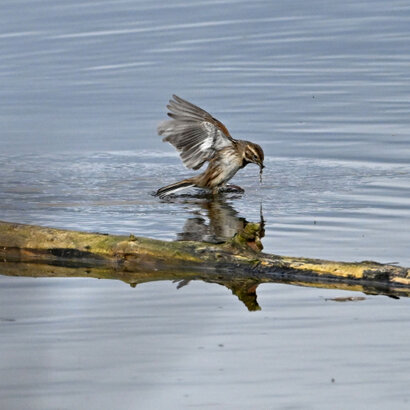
column 214, row 220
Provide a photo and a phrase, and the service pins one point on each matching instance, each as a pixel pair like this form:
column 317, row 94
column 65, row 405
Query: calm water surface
column 323, row 87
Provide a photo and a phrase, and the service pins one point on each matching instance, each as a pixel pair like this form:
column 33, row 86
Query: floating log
column 238, row 263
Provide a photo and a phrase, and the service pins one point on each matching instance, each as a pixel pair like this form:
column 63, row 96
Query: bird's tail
column 177, row 186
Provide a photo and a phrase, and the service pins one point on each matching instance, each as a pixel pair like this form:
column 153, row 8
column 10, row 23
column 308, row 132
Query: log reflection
column 244, row 288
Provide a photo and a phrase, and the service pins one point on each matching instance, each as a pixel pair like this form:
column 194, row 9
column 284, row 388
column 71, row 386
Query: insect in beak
column 261, row 166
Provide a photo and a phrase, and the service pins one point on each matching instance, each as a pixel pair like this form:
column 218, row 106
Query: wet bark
column 239, row 264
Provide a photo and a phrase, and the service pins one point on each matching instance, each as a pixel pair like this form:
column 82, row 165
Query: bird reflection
column 219, row 223
column 214, row 220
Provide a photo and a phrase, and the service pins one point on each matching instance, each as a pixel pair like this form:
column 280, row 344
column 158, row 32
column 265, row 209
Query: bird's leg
column 232, row 188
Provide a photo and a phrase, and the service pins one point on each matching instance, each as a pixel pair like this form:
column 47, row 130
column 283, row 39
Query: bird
column 199, row 137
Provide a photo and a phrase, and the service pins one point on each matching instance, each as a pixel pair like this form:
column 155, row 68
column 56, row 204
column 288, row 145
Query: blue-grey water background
column 323, row 86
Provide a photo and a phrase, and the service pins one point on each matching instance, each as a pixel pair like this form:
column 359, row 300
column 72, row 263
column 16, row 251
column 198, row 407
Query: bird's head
column 254, row 153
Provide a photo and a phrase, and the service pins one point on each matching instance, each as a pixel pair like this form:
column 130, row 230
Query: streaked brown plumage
column 199, row 138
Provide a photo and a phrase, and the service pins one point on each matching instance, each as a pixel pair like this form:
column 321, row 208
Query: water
column 323, row 87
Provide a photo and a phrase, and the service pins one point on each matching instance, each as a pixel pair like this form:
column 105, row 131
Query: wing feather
column 193, row 132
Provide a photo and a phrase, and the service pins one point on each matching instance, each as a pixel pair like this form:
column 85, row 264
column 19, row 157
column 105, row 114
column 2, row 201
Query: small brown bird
column 199, row 137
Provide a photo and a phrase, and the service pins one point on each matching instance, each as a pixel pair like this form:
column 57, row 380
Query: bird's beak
column 261, row 166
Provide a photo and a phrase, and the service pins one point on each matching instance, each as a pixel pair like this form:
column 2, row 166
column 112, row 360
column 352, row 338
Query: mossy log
column 238, row 263
column 28, row 243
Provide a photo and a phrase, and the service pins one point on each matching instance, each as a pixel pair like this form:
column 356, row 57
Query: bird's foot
column 233, row 188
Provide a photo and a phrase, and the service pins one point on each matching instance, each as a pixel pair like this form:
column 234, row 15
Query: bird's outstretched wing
column 193, row 132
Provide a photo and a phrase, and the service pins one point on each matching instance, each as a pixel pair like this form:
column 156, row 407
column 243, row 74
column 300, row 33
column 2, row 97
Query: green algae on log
column 239, row 257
